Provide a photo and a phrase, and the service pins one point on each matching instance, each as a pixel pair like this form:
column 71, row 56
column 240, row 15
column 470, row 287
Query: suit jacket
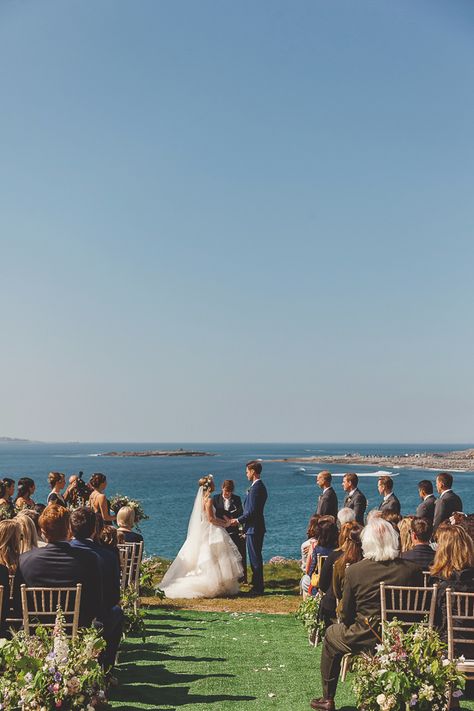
column 109, row 571
column 5, row 582
column 235, row 509
column 421, row 554
column 327, row 503
column 61, row 565
column 391, row 504
column 361, row 596
column 252, row 516
column 445, row 506
column 427, row 508
column 358, row 503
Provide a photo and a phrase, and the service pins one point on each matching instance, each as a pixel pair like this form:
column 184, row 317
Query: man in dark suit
column 83, row 527
column 390, row 501
column 327, row 502
column 427, row 506
column 229, row 505
column 448, row 502
column 361, row 602
column 422, row 553
column 59, row 565
column 355, row 499
column 254, row 523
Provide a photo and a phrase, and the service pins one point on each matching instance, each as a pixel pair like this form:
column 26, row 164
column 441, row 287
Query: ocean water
column 167, row 486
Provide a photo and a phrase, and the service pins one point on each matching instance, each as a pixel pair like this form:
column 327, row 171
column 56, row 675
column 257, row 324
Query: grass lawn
column 225, row 661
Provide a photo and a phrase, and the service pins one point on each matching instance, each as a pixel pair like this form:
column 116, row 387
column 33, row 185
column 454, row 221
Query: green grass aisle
column 222, row 661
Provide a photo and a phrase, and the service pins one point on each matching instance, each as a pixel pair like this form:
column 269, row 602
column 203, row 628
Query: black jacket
column 391, row 504
column 327, row 503
column 445, row 506
column 427, row 508
column 235, row 509
column 358, row 503
column 421, row 554
column 4, row 580
column 460, row 581
column 109, row 568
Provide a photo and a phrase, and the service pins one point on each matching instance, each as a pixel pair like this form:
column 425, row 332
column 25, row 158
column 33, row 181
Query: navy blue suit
column 254, row 524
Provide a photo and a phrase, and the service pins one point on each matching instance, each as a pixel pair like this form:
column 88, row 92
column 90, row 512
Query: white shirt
column 444, row 492
column 226, row 504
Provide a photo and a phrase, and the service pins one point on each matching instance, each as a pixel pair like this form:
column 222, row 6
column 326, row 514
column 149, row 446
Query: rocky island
column 158, row 453
column 459, row 460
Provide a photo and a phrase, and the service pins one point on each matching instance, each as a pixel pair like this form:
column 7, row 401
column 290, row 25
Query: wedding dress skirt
column 208, row 563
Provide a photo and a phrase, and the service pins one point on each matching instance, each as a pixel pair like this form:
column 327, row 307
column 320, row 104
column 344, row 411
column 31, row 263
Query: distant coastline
column 460, row 460
column 158, row 453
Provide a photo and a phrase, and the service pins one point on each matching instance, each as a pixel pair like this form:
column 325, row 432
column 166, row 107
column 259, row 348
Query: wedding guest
column 26, row 489
column 327, row 501
column 28, row 534
column 57, row 482
column 428, row 500
column 310, row 542
column 84, row 525
column 406, row 541
column 60, row 565
column 39, row 508
column 392, row 517
column 421, row 552
column 6, row 501
column 34, row 515
column 355, row 499
column 389, row 501
column 453, row 567
column 361, row 602
column 126, row 521
column 351, row 553
column 328, row 602
column 5, row 584
column 9, row 544
column 345, row 515
column 448, row 502
column 97, row 499
column 326, row 534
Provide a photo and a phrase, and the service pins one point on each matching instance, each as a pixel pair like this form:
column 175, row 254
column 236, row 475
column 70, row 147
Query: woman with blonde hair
column 9, row 544
column 406, row 540
column 125, row 521
column 28, row 534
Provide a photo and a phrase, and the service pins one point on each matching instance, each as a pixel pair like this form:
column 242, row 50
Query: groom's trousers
column 255, row 545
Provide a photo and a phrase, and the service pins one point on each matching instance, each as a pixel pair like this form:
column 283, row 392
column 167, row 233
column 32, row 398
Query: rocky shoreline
column 460, row 460
column 158, row 453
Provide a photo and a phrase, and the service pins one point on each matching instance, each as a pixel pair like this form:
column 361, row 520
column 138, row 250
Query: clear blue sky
column 235, row 221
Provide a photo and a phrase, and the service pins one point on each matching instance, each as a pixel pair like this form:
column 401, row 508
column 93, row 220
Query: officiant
column 229, row 505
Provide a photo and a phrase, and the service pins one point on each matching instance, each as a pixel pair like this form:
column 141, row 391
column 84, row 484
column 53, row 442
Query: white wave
column 377, row 474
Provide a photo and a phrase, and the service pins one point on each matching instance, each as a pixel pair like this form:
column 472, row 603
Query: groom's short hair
column 254, row 466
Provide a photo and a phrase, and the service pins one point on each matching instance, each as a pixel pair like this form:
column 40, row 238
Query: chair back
column 460, row 622
column 426, row 578
column 408, row 604
column 1, row 596
column 131, row 555
column 41, row 604
column 321, row 559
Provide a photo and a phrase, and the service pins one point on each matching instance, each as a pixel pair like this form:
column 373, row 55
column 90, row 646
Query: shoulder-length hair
column 455, row 551
column 380, row 541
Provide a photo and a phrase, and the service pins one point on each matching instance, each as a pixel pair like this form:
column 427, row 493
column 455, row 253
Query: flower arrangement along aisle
column 48, row 670
column 309, row 614
column 409, row 670
column 118, row 500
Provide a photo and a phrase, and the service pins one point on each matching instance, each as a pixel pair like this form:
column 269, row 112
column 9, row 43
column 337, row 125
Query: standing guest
column 228, row 504
column 98, row 500
column 390, row 501
column 254, row 523
column 427, row 507
column 28, row 534
column 406, row 540
column 361, row 602
column 308, row 545
column 6, row 501
column 57, row 483
column 327, row 501
column 126, row 521
column 421, row 552
column 448, row 502
column 355, row 499
column 26, row 489
column 60, row 565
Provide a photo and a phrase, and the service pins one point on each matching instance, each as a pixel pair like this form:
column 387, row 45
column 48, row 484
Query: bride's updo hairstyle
column 207, row 483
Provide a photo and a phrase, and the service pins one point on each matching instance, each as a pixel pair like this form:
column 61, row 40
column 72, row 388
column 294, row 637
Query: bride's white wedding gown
column 208, row 563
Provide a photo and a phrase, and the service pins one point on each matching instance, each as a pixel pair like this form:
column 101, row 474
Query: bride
column 208, row 563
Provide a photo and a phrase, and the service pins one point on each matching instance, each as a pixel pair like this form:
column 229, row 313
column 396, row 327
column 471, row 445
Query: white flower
column 381, row 699
column 427, row 692
column 445, row 662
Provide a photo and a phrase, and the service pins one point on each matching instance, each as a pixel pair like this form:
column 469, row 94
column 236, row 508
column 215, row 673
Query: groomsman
column 448, row 501
column 327, row 502
column 390, row 501
column 355, row 499
column 427, row 507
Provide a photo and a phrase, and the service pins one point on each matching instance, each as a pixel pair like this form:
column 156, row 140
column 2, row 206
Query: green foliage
column 151, row 572
column 408, row 669
column 119, row 500
column 134, row 615
column 309, row 614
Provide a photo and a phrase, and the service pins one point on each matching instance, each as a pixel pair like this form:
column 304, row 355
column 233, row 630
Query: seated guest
column 83, row 528
column 5, row 584
column 361, row 602
column 328, row 602
column 310, row 542
column 351, row 553
column 326, row 534
column 60, row 565
column 7, row 489
column 28, row 534
column 345, row 515
column 448, row 502
column 406, row 542
column 26, row 489
column 57, row 483
column 34, row 515
column 9, row 555
column 392, row 517
column 389, row 501
column 453, row 567
column 126, row 521
column 109, row 538
column 421, row 553
column 39, row 508
column 427, row 506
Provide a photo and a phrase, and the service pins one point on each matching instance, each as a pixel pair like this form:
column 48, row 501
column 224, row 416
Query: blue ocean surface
column 167, row 486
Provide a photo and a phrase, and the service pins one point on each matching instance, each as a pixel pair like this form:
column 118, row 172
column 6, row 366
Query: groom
column 254, row 523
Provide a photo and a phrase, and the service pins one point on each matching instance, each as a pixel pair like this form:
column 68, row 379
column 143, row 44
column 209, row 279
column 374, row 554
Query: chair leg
column 346, row 660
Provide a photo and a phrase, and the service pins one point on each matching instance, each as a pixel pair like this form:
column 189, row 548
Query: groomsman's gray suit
column 427, row 508
column 327, row 503
column 390, row 504
column 358, row 503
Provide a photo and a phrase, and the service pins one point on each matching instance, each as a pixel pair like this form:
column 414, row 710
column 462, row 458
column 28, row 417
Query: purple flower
column 58, row 676
column 457, row 693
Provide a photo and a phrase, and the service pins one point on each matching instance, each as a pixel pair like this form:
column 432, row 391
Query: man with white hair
column 361, row 602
